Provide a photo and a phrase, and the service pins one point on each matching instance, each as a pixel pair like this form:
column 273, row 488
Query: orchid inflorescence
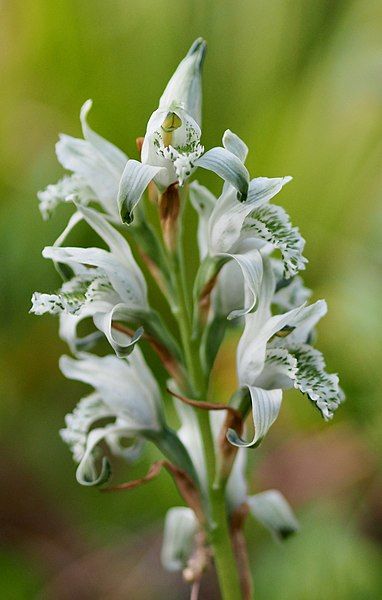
column 248, row 278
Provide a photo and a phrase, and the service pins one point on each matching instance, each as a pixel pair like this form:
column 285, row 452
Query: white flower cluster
column 250, row 260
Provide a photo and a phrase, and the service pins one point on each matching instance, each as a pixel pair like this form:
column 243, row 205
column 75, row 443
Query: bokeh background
column 301, row 82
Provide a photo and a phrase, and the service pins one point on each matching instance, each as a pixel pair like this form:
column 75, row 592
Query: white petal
column 228, row 166
column 265, row 409
column 123, row 280
column 83, row 159
column 304, row 321
column 127, row 387
column 279, row 370
column 203, row 202
column 228, row 216
column 251, row 265
column 234, row 144
column 121, row 343
column 78, row 423
column 311, row 378
column 228, row 294
column 86, row 473
column 73, row 221
column 135, row 179
column 290, row 293
column 272, row 510
column 180, row 528
column 262, row 189
column 260, row 326
column 189, row 435
column 271, row 224
column 184, row 86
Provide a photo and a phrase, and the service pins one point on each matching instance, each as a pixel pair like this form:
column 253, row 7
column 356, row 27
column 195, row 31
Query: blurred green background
column 301, row 82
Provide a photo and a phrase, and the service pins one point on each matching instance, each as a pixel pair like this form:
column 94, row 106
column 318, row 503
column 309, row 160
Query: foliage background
column 300, row 80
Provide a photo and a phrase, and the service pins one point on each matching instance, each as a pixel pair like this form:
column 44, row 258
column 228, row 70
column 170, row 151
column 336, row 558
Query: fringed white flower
column 107, row 286
column 273, row 355
column 127, row 394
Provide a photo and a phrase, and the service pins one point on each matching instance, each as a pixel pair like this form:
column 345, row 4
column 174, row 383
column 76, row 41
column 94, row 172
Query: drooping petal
column 88, row 411
column 228, row 166
column 180, row 528
column 271, row 224
column 87, row 473
column 234, row 144
column 311, row 379
column 273, row 511
column 251, row 265
column 135, row 179
column 83, row 441
column 68, row 331
column 121, row 343
column 265, row 409
column 184, row 87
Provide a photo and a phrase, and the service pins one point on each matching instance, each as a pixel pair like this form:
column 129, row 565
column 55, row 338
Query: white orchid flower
column 273, row 354
column 126, row 393
column 96, row 165
column 107, row 286
column 171, row 149
column 172, row 140
column 234, row 230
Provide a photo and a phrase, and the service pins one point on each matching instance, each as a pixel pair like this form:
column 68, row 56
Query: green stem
column 218, row 530
column 225, row 562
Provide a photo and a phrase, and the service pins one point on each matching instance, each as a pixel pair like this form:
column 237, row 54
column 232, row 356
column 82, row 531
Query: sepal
column 229, row 167
column 135, row 179
column 272, row 510
column 265, row 409
column 234, row 144
column 180, row 528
